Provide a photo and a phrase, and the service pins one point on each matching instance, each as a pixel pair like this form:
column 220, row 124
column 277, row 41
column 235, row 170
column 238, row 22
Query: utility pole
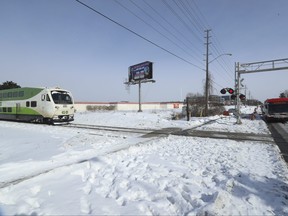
column 207, row 72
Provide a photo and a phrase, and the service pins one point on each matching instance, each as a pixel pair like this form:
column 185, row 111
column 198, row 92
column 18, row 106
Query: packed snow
column 54, row 170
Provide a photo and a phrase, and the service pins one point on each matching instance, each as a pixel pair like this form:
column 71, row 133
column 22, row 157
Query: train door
column 42, row 106
column 45, row 106
column 18, row 109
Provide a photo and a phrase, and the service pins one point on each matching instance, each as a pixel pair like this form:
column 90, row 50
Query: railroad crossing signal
column 223, row 91
column 229, row 90
column 241, row 82
column 242, row 97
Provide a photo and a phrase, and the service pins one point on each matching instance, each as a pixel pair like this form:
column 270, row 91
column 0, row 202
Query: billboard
column 140, row 71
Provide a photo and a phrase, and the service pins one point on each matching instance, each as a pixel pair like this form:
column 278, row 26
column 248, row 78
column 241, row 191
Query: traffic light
column 242, row 97
column 223, row 91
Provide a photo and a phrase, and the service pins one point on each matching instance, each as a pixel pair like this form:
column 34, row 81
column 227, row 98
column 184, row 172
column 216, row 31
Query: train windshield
column 278, row 108
column 61, row 97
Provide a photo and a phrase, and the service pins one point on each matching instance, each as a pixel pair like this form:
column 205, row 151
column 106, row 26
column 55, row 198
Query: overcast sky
column 63, row 43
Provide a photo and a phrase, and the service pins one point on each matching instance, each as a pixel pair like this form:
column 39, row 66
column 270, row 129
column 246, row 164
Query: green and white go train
column 43, row 105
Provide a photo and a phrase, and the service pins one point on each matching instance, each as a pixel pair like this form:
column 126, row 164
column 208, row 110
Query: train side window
column 9, row 94
column 43, row 97
column 33, row 103
column 15, row 94
column 4, row 109
column 1, row 109
column 9, row 109
column 5, row 95
column 0, row 95
column 27, row 103
column 47, row 98
column 21, row 94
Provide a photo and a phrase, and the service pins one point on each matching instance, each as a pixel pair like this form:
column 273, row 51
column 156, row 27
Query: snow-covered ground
column 53, row 170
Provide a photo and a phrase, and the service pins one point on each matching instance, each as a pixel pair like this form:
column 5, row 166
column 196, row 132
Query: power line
column 151, row 26
column 190, row 16
column 138, row 35
column 181, row 20
column 172, row 27
column 201, row 21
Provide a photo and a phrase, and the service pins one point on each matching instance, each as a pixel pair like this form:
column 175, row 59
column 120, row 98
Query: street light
column 228, row 54
column 207, row 72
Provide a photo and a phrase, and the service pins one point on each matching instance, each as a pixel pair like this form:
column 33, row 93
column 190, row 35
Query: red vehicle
column 275, row 110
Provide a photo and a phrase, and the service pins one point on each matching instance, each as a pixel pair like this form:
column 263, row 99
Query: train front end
column 64, row 109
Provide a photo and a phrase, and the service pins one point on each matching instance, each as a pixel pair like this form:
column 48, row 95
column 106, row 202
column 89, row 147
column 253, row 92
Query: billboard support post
column 138, row 74
column 140, row 109
column 139, row 83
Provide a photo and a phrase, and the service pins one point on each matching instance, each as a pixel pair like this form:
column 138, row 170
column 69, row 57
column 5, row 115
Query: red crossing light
column 231, row 91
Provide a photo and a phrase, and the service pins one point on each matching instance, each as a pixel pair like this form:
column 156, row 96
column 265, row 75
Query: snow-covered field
column 53, row 170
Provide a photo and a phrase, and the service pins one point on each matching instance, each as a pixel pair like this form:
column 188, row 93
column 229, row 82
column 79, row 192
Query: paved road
column 280, row 134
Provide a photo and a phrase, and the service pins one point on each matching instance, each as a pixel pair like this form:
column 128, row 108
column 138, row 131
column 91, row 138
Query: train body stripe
column 21, row 111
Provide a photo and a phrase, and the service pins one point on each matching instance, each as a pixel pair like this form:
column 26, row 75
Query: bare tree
column 284, row 94
column 210, row 84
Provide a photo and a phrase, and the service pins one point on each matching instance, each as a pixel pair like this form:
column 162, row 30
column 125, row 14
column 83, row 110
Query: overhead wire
column 151, row 26
column 180, row 19
column 137, row 34
column 195, row 21
column 185, row 41
column 215, row 46
column 188, row 14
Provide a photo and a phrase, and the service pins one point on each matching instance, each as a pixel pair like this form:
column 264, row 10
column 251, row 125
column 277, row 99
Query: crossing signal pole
column 237, row 88
column 255, row 67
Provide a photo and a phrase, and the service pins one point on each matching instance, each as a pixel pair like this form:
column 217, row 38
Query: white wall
column 82, row 106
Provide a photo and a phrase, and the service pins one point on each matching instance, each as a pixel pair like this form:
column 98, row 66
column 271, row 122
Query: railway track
column 110, row 128
column 144, row 131
column 192, row 132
